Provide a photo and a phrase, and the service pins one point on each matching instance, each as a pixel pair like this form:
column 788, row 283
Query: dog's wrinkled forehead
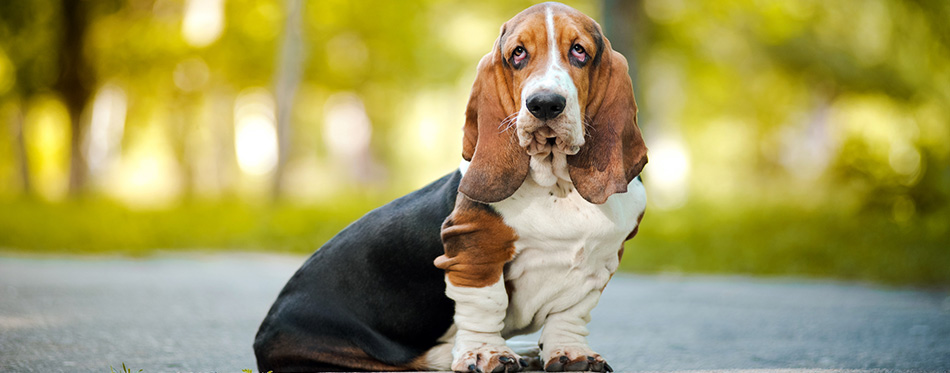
column 531, row 26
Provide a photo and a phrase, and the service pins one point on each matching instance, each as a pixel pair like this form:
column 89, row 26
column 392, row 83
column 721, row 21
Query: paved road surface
column 200, row 313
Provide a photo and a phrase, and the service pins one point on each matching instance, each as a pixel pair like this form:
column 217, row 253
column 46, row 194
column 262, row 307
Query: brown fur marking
column 499, row 164
column 615, row 152
column 337, row 355
column 477, row 243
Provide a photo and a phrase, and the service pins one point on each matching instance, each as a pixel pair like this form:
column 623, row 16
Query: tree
column 27, row 35
column 289, row 72
column 74, row 84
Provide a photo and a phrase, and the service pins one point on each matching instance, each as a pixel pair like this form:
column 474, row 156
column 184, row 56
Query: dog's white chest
column 566, row 249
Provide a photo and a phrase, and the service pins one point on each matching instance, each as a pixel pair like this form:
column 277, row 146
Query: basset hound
column 524, row 236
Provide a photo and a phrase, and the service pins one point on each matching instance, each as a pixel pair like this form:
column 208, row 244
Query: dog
column 524, row 236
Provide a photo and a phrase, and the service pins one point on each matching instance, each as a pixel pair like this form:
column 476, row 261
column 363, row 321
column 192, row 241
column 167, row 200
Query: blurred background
column 802, row 138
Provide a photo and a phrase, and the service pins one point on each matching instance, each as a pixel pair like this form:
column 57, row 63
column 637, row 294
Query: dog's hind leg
column 439, row 357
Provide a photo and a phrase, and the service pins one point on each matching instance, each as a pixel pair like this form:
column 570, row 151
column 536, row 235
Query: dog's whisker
column 507, row 127
column 508, row 122
column 588, row 124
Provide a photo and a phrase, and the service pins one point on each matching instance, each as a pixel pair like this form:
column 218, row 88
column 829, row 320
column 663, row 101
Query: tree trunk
column 74, row 85
column 289, row 70
column 19, row 145
column 624, row 26
column 181, row 133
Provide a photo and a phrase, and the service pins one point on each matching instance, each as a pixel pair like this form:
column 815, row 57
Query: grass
column 97, row 226
column 123, row 370
column 774, row 240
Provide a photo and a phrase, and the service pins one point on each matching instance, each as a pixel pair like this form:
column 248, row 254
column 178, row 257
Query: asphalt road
column 200, row 313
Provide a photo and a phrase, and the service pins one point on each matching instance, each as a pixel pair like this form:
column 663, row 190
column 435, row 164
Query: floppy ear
column 614, row 153
column 498, row 164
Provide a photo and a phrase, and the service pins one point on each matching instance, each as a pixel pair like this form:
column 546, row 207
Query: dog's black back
column 370, row 294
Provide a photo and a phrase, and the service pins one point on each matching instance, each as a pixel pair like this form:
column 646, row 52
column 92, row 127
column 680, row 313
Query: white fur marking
column 552, row 43
column 565, row 253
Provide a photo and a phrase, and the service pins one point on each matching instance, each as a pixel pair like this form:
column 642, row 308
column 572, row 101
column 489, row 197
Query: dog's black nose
column 546, row 105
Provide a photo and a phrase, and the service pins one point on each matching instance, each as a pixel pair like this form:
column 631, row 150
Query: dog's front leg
column 479, row 316
column 564, row 339
column 477, row 246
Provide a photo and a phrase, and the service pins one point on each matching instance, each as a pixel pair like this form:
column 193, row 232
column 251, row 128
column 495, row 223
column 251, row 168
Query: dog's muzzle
column 548, row 125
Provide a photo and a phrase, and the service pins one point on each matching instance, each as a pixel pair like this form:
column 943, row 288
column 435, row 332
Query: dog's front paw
column 488, row 359
column 575, row 359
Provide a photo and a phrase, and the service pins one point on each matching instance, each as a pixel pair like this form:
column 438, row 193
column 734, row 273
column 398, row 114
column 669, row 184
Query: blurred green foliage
column 786, row 138
column 102, row 226
column 789, row 240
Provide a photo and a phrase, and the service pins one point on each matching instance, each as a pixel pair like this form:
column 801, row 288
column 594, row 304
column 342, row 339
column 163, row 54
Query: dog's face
column 551, row 52
column 551, row 85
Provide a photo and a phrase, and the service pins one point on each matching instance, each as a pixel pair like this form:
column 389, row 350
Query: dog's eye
column 579, row 53
column 518, row 55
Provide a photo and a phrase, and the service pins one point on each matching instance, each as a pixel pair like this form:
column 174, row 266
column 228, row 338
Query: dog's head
column 551, row 88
